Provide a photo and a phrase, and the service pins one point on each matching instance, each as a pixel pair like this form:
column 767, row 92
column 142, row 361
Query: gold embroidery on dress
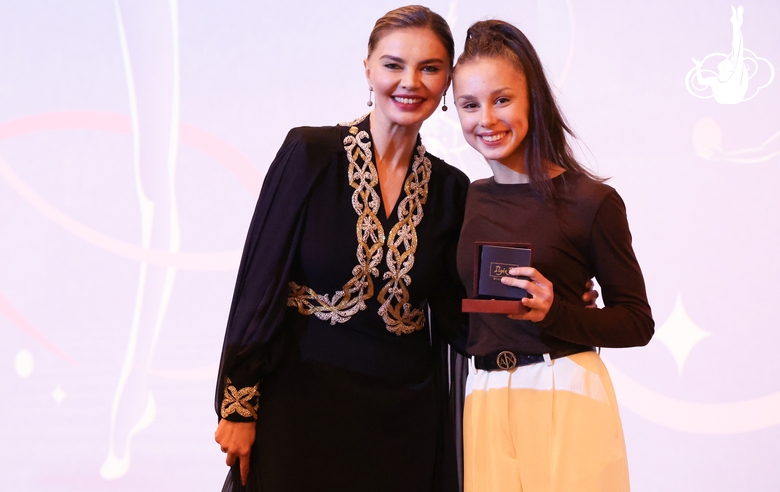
column 398, row 314
column 240, row 400
column 370, row 237
column 396, row 311
column 355, row 122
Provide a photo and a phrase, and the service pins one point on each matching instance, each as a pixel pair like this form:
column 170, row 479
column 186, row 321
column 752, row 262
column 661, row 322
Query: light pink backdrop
column 133, row 141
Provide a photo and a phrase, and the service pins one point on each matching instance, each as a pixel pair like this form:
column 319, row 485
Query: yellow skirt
column 544, row 428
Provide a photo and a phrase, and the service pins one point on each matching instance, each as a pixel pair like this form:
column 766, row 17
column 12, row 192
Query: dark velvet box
column 491, row 262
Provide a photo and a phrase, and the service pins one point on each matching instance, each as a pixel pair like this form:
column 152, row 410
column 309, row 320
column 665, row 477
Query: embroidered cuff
column 244, row 401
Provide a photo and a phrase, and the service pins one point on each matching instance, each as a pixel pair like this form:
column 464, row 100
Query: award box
column 491, row 262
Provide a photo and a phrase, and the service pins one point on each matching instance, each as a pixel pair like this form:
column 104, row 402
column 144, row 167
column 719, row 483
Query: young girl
column 540, row 412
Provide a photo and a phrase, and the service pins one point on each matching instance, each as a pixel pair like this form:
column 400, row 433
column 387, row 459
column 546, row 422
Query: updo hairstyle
column 413, row 16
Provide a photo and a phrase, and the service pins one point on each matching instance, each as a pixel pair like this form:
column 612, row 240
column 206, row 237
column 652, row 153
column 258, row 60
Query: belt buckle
column 506, row 360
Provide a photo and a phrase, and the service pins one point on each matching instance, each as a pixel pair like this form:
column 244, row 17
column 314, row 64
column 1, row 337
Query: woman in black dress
column 331, row 378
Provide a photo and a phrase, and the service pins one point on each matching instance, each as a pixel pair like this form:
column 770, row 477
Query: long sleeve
column 447, row 318
column 252, row 347
column 626, row 319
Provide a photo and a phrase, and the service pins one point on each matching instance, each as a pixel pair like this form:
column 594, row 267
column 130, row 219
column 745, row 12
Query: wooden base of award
column 495, row 306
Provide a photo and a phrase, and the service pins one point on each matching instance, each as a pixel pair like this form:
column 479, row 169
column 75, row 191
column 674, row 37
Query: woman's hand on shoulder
column 236, row 439
column 590, row 295
column 535, row 284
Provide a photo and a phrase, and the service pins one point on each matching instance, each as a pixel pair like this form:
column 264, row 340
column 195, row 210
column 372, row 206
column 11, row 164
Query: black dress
column 337, row 321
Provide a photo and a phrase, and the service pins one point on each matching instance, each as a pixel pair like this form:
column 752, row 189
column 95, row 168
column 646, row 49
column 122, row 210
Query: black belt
column 506, row 360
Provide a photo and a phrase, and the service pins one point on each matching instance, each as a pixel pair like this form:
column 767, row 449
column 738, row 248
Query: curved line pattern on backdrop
column 698, row 418
column 222, row 152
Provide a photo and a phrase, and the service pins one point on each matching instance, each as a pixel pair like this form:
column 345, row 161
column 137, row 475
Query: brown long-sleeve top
column 581, row 235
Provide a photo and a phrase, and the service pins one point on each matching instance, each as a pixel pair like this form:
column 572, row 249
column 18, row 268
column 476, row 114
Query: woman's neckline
column 385, row 215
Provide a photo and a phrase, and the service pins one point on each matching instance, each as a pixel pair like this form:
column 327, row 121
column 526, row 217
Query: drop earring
column 444, row 106
column 370, row 93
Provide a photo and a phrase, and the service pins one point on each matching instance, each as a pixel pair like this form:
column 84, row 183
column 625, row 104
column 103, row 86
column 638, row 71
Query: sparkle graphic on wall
column 727, row 78
column 58, row 394
column 680, row 334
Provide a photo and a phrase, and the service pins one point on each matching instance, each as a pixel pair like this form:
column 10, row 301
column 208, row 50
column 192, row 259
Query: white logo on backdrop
column 727, row 78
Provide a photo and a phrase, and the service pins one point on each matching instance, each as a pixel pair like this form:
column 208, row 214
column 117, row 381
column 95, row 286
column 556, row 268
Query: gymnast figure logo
column 730, row 83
